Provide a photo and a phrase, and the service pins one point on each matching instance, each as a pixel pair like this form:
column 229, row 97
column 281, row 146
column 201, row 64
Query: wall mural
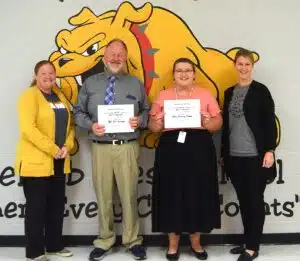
column 155, row 37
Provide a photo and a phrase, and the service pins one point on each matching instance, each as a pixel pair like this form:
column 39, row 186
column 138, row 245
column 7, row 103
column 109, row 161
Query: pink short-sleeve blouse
column 208, row 102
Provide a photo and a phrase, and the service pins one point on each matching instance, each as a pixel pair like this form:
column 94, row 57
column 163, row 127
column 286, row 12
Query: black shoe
column 247, row 257
column 98, row 254
column 174, row 256
column 237, row 250
column 138, row 252
column 200, row 255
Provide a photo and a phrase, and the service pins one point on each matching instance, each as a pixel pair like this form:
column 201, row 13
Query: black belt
column 113, row 142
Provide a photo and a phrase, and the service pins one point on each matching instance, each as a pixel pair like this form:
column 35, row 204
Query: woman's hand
column 221, row 161
column 211, row 123
column 158, row 116
column 268, row 160
column 62, row 153
column 206, row 117
column 57, row 155
column 156, row 122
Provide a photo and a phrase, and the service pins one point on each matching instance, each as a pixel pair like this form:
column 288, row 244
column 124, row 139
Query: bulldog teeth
column 79, row 80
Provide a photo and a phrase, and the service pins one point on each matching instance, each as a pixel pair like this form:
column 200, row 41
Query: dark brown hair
column 118, row 41
column 37, row 68
column 245, row 53
column 183, row 60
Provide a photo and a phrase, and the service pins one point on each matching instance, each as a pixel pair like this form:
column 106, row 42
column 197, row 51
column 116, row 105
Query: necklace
column 190, row 93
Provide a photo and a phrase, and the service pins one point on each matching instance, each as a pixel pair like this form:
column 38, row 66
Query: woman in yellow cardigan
column 46, row 137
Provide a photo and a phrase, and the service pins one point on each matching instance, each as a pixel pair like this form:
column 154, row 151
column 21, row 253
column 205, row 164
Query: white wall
column 270, row 27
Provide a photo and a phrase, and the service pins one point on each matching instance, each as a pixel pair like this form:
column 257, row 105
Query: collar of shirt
column 119, row 75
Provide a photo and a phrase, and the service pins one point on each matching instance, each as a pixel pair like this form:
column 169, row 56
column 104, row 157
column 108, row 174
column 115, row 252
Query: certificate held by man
column 182, row 113
column 115, row 118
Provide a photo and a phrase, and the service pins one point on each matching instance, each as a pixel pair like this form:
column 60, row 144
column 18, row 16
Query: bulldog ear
column 128, row 13
column 83, row 17
column 255, row 56
column 232, row 52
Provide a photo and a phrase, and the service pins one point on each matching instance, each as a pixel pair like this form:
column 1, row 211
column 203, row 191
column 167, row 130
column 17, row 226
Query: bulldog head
column 80, row 50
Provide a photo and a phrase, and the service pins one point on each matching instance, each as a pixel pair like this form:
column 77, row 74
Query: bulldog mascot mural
column 155, row 37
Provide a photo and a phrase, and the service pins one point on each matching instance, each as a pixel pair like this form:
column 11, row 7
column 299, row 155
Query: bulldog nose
column 63, row 61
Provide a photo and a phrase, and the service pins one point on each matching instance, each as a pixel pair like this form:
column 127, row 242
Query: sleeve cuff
column 54, row 150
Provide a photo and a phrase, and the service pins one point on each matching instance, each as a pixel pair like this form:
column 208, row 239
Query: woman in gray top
column 248, row 144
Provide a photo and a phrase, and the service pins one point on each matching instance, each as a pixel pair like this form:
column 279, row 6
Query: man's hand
column 134, row 122
column 98, row 130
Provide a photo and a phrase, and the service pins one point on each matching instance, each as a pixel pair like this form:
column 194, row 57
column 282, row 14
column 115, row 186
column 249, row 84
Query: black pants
column 45, row 198
column 249, row 183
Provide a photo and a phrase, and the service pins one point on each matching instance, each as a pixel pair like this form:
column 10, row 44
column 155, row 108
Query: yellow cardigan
column 36, row 148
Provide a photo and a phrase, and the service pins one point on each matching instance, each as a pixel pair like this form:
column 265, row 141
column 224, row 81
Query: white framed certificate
column 115, row 117
column 182, row 113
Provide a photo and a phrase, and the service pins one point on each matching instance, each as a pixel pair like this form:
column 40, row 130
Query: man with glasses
column 114, row 155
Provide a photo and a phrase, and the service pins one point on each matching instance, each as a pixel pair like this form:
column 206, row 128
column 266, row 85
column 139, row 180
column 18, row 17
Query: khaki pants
column 121, row 162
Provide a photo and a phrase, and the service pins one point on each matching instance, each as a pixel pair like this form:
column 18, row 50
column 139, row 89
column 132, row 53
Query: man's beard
column 115, row 68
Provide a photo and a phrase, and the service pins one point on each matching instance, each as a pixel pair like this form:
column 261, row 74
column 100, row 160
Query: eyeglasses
column 184, row 71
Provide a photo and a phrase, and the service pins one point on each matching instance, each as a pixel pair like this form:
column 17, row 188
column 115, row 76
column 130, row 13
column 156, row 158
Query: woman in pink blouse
column 185, row 185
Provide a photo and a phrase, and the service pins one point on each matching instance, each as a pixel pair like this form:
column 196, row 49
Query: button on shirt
column 128, row 90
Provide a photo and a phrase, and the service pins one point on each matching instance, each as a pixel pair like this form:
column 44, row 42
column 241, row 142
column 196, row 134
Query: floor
column 267, row 253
